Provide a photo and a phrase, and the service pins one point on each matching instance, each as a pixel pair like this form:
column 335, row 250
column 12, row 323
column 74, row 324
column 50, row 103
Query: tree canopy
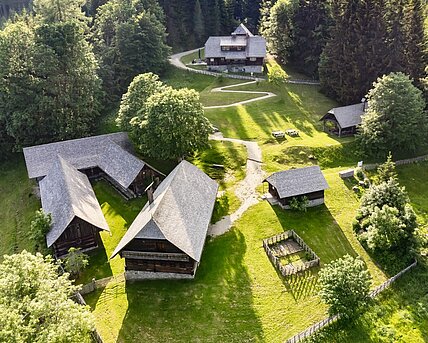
column 129, row 38
column 396, row 119
column 345, row 285
column 49, row 87
column 175, row 125
column 35, row 303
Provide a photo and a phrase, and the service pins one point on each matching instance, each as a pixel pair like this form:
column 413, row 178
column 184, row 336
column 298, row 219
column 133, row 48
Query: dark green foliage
column 386, row 222
column 299, row 203
column 371, row 38
column 129, row 38
column 49, row 88
column 355, row 54
column 396, row 120
column 311, row 22
column 190, row 22
column 345, row 285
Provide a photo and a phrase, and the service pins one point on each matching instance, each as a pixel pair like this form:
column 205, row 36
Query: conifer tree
column 198, row 23
column 415, row 52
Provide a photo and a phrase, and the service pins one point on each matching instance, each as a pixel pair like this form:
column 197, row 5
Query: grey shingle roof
column 348, row 116
column 242, row 30
column 67, row 193
column 255, row 46
column 109, row 152
column 295, row 182
column 181, row 211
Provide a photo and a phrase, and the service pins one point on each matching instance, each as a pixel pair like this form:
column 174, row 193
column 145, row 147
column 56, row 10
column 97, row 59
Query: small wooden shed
column 343, row 121
column 294, row 183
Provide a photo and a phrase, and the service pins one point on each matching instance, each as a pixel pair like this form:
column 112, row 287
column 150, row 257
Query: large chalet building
column 240, row 52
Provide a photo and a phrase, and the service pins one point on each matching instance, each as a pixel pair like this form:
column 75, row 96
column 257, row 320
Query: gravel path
column 246, row 189
column 226, row 89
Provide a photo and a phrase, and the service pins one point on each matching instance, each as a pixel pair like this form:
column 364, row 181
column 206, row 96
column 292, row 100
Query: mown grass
column 18, row 205
column 237, row 295
column 119, row 214
column 233, row 158
column 193, row 56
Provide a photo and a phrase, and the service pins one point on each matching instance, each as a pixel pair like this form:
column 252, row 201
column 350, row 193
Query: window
column 211, row 59
column 253, row 59
column 225, row 48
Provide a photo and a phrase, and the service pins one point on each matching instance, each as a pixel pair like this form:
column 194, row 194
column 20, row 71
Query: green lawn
column 18, row 205
column 193, row 56
column 119, row 214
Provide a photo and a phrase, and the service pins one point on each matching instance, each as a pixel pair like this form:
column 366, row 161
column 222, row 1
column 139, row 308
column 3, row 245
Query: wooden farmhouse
column 297, row 183
column 343, row 121
column 167, row 237
column 106, row 156
column 76, row 214
column 63, row 170
column 240, row 52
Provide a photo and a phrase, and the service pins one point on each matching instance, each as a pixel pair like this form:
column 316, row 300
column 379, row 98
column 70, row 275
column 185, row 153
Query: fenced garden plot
column 289, row 253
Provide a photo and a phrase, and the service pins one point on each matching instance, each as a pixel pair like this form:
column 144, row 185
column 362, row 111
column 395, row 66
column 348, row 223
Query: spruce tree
column 198, row 23
column 415, row 50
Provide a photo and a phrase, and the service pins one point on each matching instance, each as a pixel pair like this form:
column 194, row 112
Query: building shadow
column 217, row 306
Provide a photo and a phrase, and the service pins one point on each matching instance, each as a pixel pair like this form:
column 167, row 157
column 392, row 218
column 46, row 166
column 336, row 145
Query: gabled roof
column 66, row 193
column 242, row 30
column 109, row 152
column 180, row 212
column 295, row 182
column 348, row 116
column 255, row 45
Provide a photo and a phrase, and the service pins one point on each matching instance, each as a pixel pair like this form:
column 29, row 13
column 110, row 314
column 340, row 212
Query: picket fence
column 288, row 269
column 327, row 321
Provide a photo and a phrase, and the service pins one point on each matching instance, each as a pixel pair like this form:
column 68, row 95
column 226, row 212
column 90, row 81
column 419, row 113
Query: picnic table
column 292, row 132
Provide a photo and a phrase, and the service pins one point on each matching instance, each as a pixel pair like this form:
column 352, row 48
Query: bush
column 75, row 261
column 277, row 75
column 299, row 203
column 359, row 173
column 40, row 226
column 345, row 285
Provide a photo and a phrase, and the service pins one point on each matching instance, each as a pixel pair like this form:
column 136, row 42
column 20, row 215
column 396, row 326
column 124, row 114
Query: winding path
column 246, row 189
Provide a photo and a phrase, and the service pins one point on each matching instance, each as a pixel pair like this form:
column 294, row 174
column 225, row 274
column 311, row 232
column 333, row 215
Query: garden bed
column 289, row 253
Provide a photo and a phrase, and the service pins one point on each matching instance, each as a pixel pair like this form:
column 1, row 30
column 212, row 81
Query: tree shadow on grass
column 217, row 306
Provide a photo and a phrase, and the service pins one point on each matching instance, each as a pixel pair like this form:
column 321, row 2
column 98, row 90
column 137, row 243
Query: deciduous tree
column 396, row 119
column 345, row 285
column 35, row 303
column 175, row 125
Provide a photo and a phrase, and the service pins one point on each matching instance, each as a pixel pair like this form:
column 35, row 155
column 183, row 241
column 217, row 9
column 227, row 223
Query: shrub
column 359, row 173
column 75, row 261
column 40, row 226
column 299, row 203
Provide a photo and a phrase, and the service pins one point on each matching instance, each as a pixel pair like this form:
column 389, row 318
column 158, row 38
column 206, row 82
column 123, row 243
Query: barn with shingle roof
column 306, row 182
column 106, row 156
column 76, row 214
column 167, row 237
column 344, row 121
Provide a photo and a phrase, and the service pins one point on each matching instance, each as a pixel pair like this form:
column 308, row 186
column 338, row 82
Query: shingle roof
column 181, row 211
column 348, row 116
column 255, row 46
column 242, row 30
column 66, row 193
column 295, row 182
column 109, row 152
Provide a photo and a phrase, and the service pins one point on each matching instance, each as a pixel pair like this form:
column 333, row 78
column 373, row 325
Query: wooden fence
column 94, row 334
column 288, row 270
column 96, row 284
column 399, row 162
column 327, row 321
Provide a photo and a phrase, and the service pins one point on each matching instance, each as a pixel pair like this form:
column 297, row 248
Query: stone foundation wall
column 131, row 275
